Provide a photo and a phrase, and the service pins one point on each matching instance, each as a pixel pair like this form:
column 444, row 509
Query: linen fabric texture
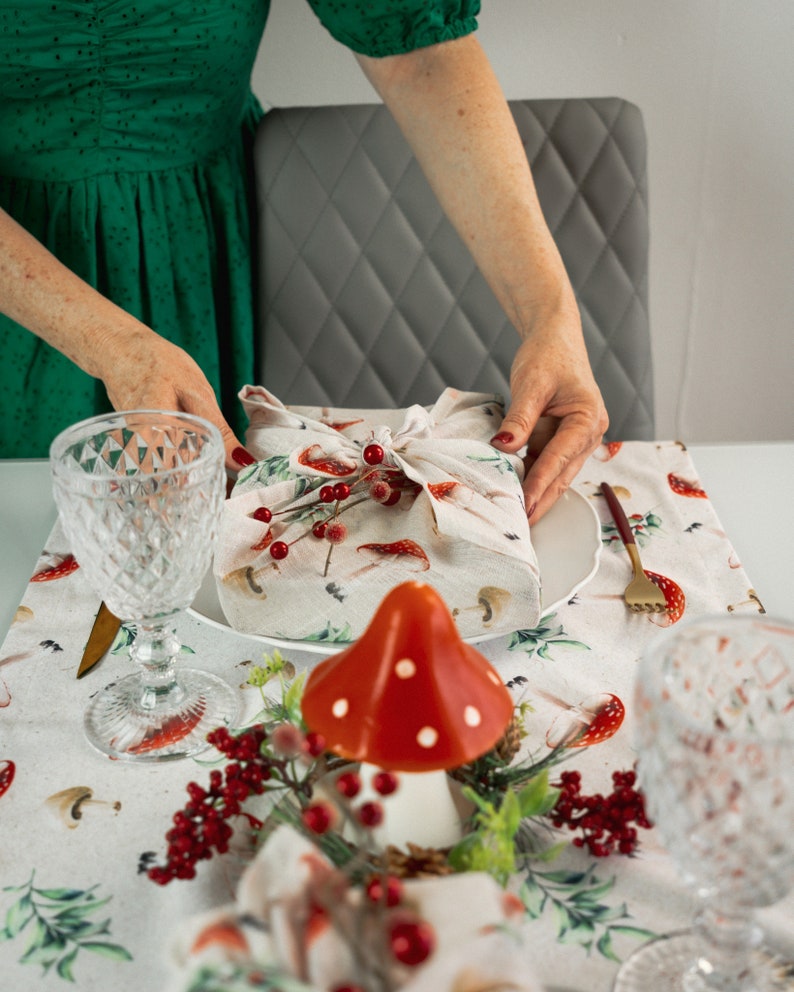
column 460, row 524
column 125, row 149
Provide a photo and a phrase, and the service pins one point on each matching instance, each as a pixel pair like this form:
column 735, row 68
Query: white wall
column 715, row 82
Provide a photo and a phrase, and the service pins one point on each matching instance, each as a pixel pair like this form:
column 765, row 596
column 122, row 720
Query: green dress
column 125, row 139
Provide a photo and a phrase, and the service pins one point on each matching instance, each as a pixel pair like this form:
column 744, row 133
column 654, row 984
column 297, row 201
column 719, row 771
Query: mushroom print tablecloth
column 78, row 831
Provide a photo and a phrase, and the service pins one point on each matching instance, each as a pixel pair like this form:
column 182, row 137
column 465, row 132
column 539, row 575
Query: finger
column 517, row 426
column 557, row 464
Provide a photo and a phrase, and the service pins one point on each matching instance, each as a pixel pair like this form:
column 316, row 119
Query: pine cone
column 509, row 744
column 418, row 862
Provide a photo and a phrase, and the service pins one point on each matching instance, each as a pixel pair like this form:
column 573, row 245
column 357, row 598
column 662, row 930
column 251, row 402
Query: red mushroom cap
column 409, row 695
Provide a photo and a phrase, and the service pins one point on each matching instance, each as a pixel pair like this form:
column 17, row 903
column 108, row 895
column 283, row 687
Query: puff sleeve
column 391, row 27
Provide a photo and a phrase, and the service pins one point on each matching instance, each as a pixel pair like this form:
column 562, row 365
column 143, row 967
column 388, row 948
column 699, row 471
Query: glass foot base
column 118, row 725
column 670, row 964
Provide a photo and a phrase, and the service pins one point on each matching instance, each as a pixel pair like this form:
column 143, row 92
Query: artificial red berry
column 370, row 814
column 318, row 818
column 380, row 491
column 319, row 528
column 385, row 783
column 348, row 784
column 314, row 743
column 327, row 494
column 373, row 454
column 604, row 821
column 279, row 550
column 341, row 490
column 394, row 498
column 391, row 894
column 412, row 941
column 262, row 514
column 335, row 532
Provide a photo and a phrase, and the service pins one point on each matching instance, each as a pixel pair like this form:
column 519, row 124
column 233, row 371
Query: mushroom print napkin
column 343, row 505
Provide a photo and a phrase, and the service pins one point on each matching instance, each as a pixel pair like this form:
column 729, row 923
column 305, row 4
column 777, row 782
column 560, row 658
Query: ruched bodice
column 125, row 148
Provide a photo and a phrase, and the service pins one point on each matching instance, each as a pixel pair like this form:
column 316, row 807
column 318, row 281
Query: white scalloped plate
column 567, row 542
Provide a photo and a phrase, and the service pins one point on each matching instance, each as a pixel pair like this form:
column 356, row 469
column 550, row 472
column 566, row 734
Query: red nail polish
column 503, row 437
column 243, row 457
column 531, row 510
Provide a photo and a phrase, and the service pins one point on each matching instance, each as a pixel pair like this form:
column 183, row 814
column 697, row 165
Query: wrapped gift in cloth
column 343, row 505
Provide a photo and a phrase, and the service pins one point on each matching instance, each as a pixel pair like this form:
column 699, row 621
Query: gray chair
column 368, row 297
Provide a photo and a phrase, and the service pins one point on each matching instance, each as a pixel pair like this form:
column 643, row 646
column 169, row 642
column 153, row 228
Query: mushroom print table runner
column 79, row 832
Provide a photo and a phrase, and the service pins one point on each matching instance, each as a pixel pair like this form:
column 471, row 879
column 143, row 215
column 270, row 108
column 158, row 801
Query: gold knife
column 102, row 635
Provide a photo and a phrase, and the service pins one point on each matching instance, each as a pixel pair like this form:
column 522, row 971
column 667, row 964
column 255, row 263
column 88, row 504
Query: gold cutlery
column 102, row 635
column 641, row 594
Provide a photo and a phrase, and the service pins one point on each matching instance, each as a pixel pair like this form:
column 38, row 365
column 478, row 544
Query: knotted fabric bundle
column 343, row 505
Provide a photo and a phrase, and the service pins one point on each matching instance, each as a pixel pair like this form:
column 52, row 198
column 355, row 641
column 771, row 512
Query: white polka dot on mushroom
column 472, row 716
column 427, row 737
column 494, row 678
column 339, row 708
column 405, row 668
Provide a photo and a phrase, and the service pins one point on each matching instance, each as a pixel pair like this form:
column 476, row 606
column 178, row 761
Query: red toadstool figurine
column 409, row 696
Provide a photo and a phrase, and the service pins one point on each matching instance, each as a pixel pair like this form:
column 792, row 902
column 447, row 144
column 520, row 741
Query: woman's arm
column 453, row 113
column 139, row 369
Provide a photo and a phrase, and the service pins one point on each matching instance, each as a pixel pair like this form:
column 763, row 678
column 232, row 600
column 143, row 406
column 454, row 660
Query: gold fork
column 641, row 594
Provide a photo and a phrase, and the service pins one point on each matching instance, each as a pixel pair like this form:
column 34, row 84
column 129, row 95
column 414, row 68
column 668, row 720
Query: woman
column 126, row 194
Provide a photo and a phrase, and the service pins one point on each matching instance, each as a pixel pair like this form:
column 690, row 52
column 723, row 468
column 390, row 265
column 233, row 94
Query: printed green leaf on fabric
column 576, row 900
column 57, row 926
column 541, row 639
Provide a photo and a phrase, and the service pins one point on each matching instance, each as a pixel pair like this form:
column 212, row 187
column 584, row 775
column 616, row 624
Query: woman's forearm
column 451, row 109
column 44, row 296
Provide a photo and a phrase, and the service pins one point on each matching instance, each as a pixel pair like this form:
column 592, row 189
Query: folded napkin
column 429, row 498
column 295, row 919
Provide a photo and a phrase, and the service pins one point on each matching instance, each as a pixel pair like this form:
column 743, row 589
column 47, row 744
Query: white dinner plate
column 567, row 541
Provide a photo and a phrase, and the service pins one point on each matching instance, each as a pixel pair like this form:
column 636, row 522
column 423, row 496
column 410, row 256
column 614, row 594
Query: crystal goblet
column 715, row 727
column 139, row 494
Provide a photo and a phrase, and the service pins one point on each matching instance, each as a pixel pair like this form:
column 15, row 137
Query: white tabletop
column 750, row 487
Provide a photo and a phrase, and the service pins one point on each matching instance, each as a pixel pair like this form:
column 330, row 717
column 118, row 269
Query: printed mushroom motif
column 54, row 566
column 594, row 720
column 683, row 487
column 491, row 602
column 674, row 599
column 68, row 804
column 410, row 696
column 314, row 457
column 405, row 554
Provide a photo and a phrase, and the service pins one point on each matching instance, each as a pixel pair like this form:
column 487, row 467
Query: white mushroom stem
column 426, row 809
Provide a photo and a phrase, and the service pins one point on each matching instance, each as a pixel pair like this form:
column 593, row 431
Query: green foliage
column 333, row 635
column 491, row 844
column 499, row 461
column 229, row 977
column 57, row 924
column 542, row 638
column 644, row 527
column 288, row 707
column 582, row 918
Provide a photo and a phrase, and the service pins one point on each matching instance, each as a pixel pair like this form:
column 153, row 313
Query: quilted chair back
column 368, row 297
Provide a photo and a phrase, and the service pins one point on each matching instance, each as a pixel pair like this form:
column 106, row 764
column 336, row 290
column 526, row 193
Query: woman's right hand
column 139, row 368
column 149, row 373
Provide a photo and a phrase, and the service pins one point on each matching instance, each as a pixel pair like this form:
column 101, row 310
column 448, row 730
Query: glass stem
column 730, row 936
column 155, row 650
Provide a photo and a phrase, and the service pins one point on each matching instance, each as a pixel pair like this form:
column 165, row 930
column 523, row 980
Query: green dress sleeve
column 391, row 27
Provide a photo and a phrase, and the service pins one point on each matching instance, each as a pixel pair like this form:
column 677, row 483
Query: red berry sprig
column 382, row 485
column 202, row 827
column 605, row 822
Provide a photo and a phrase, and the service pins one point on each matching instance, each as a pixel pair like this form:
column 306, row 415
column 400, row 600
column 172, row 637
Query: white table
column 589, row 647
column 750, row 485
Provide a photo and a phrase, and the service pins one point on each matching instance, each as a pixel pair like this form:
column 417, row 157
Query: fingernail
column 243, row 457
column 531, row 510
column 503, row 437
